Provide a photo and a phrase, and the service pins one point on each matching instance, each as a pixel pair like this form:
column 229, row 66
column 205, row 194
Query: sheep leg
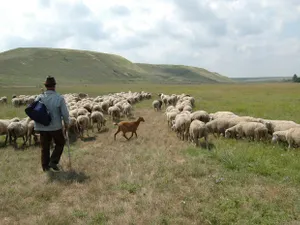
column 182, row 135
column 92, row 126
column 76, row 130
column 197, row 142
column 116, row 133
column 124, row 135
column 131, row 136
column 82, row 131
column 6, row 137
column 25, row 140
column 290, row 142
column 206, row 141
column 191, row 138
column 15, row 141
column 258, row 136
column 79, row 129
column 10, row 138
column 187, row 136
column 214, row 134
column 178, row 134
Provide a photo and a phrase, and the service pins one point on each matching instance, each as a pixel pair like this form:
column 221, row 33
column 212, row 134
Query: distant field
column 156, row 178
column 262, row 79
column 269, row 100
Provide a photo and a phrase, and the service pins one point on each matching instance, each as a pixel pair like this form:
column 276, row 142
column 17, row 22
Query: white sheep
column 3, row 127
column 82, row 112
column 252, row 130
column 279, row 136
column 157, row 104
column 16, row 102
column 198, row 130
column 83, row 123
column 114, row 112
column 127, row 109
column 221, row 114
column 73, row 125
column 218, row 126
column 31, row 132
column 279, row 125
column 169, row 108
column 171, row 116
column 18, row 129
column 105, row 105
column 3, row 100
column 200, row 115
column 293, row 137
column 98, row 118
column 97, row 107
column 181, row 125
column 74, row 113
column 221, row 123
column 88, row 106
column 187, row 108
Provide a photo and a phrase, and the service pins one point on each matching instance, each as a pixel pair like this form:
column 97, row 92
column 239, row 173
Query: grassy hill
column 30, row 66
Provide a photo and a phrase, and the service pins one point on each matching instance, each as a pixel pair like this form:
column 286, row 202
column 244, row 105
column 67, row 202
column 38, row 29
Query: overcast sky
column 236, row 38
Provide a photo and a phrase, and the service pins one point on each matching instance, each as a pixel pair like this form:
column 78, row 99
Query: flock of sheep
column 84, row 113
column 189, row 125
column 17, row 101
column 193, row 126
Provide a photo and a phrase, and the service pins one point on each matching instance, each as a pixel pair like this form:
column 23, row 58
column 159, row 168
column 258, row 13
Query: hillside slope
column 28, row 66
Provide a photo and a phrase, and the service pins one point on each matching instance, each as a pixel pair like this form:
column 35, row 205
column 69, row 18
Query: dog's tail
column 115, row 123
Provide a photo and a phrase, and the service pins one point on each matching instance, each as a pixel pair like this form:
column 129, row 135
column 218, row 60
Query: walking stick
column 69, row 154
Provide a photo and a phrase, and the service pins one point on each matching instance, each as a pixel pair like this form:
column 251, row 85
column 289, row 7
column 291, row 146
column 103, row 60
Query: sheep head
column 274, row 138
column 228, row 133
column 141, row 119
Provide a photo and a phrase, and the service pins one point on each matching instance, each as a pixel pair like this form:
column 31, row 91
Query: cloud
column 232, row 37
column 45, row 3
column 120, row 10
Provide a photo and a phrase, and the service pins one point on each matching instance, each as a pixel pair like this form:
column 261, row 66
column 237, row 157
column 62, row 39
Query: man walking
column 58, row 110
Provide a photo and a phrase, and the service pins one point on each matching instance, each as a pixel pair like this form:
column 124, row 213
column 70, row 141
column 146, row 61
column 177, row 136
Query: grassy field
column 156, row 178
column 29, row 65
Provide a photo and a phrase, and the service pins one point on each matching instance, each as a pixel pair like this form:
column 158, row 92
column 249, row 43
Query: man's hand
column 66, row 129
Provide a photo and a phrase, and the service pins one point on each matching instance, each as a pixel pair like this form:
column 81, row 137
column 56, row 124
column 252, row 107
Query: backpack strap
column 40, row 97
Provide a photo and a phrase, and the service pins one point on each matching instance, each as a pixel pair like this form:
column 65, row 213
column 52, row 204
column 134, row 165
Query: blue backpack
column 38, row 112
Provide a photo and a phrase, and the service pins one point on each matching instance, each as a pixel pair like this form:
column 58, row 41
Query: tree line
column 296, row 78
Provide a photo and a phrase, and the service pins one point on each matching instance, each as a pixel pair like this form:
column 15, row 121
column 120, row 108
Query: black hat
column 50, row 81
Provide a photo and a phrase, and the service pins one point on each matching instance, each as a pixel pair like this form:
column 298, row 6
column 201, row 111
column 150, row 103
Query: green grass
column 30, row 66
column 157, row 179
column 273, row 101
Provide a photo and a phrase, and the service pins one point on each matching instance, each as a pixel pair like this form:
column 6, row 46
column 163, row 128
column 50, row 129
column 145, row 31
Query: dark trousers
column 46, row 138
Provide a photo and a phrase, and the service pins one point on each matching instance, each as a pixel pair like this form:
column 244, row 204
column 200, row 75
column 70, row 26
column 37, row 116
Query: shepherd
column 58, row 110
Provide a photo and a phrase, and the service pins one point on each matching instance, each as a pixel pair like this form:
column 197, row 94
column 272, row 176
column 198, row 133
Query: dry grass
column 114, row 181
column 157, row 179
column 148, row 180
